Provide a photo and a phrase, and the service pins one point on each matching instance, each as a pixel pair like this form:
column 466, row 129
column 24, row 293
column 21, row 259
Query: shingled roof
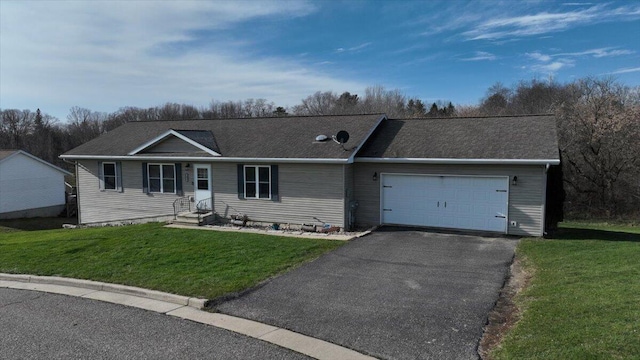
column 516, row 138
column 491, row 138
column 255, row 138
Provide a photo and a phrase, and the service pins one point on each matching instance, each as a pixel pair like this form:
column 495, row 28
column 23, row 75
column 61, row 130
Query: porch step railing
column 204, row 206
column 181, row 205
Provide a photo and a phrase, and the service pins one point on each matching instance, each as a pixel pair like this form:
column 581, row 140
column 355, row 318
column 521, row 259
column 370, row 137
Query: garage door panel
column 478, row 203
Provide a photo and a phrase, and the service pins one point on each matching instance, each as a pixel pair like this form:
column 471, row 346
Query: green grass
column 583, row 301
column 197, row 263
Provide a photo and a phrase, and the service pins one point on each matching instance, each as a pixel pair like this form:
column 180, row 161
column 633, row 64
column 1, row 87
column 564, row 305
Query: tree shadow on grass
column 34, row 224
column 595, row 234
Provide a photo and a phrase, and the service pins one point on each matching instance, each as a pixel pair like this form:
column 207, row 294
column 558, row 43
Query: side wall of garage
column 526, row 198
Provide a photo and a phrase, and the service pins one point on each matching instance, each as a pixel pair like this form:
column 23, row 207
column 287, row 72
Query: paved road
column 395, row 294
column 36, row 325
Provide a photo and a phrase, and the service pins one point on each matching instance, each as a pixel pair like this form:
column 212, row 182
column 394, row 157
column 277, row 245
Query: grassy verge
column 187, row 262
column 583, row 301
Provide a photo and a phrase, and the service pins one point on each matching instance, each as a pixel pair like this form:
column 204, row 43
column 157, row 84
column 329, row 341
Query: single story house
column 486, row 174
column 30, row 186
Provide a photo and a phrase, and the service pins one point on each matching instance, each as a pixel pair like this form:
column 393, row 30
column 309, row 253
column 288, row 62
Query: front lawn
column 583, row 301
column 196, row 263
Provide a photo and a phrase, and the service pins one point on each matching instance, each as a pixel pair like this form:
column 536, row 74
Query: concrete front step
column 193, row 218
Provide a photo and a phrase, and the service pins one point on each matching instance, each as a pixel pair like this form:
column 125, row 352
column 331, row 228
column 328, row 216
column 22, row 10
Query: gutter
column 545, row 162
column 205, row 159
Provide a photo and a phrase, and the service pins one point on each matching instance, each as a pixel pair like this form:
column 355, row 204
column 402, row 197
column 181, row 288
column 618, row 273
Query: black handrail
column 181, row 205
column 202, row 207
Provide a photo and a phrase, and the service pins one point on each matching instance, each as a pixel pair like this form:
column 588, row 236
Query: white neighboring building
column 29, row 186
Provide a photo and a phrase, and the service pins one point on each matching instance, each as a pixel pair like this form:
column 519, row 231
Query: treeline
column 47, row 137
column 599, row 135
column 598, row 127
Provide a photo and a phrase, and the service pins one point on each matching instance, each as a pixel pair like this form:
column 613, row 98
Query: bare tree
column 16, row 126
column 320, row 103
column 537, row 97
column 84, row 125
column 379, row 100
column 496, row 101
column 599, row 128
column 468, row 111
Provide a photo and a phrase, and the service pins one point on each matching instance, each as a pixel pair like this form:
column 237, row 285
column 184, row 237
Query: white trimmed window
column 257, row 182
column 161, row 178
column 110, row 176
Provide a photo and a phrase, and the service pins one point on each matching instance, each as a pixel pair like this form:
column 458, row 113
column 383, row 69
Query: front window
column 257, row 182
column 109, row 175
column 162, row 178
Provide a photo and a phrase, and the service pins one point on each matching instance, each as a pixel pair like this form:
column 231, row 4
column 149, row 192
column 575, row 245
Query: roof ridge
column 259, row 117
column 474, row 117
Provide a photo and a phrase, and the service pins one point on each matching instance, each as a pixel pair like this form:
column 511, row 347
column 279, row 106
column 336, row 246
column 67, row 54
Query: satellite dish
column 342, row 137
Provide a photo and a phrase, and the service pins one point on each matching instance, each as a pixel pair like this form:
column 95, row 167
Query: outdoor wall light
column 514, row 182
column 375, row 176
column 188, row 165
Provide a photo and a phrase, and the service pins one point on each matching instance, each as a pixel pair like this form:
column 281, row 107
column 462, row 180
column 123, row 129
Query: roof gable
column 198, row 142
column 5, row 155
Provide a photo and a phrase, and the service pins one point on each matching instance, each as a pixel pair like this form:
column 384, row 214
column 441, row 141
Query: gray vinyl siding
column 309, row 194
column 348, row 192
column 104, row 206
column 172, row 145
column 526, row 199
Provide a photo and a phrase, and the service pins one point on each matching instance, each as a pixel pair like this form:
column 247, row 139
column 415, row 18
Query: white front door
column 202, row 186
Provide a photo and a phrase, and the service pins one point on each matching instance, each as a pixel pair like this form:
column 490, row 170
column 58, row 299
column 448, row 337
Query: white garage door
column 458, row 202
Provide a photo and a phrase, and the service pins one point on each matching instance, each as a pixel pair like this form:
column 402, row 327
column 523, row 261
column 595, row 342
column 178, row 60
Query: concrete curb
column 114, row 288
column 181, row 307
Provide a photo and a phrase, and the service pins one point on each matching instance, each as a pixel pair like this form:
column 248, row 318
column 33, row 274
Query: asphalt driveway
column 395, row 294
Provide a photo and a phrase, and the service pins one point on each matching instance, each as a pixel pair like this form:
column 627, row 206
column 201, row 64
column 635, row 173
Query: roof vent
column 321, row 137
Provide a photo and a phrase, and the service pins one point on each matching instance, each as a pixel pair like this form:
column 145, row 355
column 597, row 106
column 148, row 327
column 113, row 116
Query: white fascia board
column 163, row 136
column 38, row 160
column 461, row 161
column 353, row 155
column 205, row 159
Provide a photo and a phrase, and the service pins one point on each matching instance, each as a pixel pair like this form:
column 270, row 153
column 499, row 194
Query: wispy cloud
column 596, row 53
column 548, row 22
column 551, row 63
column 552, row 67
column 480, row 56
column 625, row 71
column 538, row 56
column 143, row 53
column 599, row 53
column 356, row 48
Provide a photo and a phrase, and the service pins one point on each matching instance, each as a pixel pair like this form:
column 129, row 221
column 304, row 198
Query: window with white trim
column 257, row 182
column 109, row 176
column 161, row 178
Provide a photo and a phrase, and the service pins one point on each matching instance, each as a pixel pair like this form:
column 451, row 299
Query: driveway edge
column 107, row 287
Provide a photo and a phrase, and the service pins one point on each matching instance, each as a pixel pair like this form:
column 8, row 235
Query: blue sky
column 104, row 55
